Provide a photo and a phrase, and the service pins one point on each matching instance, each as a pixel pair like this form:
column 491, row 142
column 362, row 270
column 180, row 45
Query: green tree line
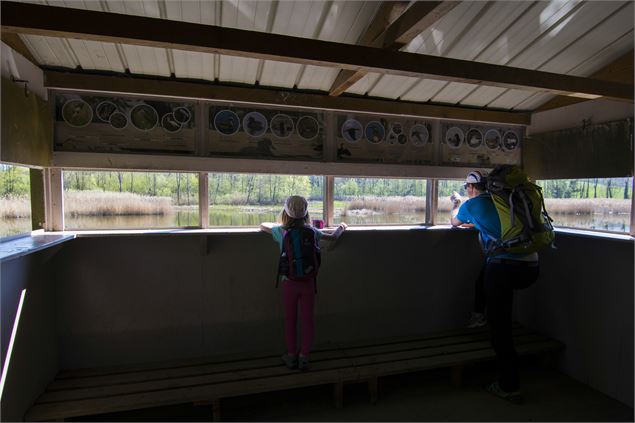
column 273, row 189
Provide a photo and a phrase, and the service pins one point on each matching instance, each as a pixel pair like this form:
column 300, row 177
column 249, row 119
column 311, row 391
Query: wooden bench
column 205, row 381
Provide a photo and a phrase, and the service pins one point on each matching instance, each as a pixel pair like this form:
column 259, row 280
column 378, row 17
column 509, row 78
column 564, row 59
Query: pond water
column 8, row 227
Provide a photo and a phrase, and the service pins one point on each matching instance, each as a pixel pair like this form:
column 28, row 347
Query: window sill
column 235, row 230
column 30, row 243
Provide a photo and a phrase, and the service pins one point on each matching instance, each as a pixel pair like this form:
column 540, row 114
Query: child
column 297, row 293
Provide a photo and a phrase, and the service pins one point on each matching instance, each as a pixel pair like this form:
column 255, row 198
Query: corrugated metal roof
column 562, row 36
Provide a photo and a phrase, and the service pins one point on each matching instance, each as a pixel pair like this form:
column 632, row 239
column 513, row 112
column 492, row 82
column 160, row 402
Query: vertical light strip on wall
column 5, row 367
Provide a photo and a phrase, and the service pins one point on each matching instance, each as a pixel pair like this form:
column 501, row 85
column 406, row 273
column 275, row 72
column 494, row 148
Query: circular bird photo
column 144, row 117
column 454, row 137
column 255, row 124
column 182, row 115
column 375, row 132
column 510, row 141
column 104, row 110
column 227, row 122
column 352, row 130
column 77, row 113
column 492, row 139
column 282, row 126
column 118, row 120
column 308, row 127
column 419, row 135
column 474, row 138
column 169, row 123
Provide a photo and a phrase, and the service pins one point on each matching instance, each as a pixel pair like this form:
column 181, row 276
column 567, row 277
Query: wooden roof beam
column 621, row 70
column 203, row 91
column 63, row 22
column 395, row 34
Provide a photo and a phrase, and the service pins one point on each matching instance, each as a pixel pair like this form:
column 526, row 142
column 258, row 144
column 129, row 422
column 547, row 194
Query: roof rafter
column 393, row 35
column 135, row 30
column 621, row 70
column 202, row 91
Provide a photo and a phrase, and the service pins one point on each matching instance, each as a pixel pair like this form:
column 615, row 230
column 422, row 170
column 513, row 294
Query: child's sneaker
column 513, row 397
column 477, row 320
column 291, row 361
column 303, row 363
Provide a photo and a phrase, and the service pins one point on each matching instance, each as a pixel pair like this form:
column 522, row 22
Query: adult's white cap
column 474, row 177
column 296, row 207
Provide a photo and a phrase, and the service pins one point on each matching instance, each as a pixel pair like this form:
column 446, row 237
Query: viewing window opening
column 444, row 205
column 595, row 203
column 15, row 200
column 130, row 200
column 249, row 199
column 370, row 201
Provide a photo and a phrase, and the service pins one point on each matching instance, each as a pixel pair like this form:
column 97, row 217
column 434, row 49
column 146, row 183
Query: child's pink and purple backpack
column 300, row 257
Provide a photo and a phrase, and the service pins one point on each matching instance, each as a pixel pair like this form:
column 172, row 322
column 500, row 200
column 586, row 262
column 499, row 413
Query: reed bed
column 385, row 205
column 571, row 206
column 98, row 203
column 15, row 207
column 587, row 206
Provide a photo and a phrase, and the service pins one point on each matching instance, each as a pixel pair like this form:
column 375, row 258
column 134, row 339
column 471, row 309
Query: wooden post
column 632, row 231
column 455, row 377
column 329, row 187
column 38, row 202
column 54, row 199
column 338, row 394
column 373, row 389
column 203, row 200
column 432, row 200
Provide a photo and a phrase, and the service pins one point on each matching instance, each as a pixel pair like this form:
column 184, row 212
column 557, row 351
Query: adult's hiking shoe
column 303, row 363
column 477, row 320
column 291, row 361
column 513, row 397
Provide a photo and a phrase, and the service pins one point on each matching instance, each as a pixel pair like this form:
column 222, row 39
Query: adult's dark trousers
column 501, row 279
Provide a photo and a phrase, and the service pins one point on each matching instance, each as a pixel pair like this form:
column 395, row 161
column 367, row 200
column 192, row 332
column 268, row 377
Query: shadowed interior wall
column 157, row 297
column 34, row 360
column 585, row 299
column 126, row 299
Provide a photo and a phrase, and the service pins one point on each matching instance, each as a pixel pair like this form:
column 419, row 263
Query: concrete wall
column 126, row 299
column 585, row 299
column 34, row 360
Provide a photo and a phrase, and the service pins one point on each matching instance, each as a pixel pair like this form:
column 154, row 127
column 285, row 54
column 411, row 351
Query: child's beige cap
column 296, row 207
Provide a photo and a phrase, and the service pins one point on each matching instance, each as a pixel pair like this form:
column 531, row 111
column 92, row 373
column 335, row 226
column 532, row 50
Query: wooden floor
column 206, row 381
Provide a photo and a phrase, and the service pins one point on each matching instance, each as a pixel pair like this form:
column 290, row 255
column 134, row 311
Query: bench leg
column 338, row 394
column 455, row 376
column 373, row 389
column 216, row 410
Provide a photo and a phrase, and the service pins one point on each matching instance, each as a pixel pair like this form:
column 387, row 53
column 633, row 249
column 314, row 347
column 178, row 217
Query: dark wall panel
column 27, row 127
column 602, row 150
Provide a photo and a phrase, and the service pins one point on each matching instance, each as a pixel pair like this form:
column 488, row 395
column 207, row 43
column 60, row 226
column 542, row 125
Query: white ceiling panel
column 193, row 65
column 318, row 78
column 606, row 33
column 563, row 34
column 454, row 92
column 51, row 51
column 537, row 23
column 392, row 86
column 298, row 19
column 365, row 84
column 147, row 60
column 424, row 90
column 482, row 96
column 97, row 55
column 203, row 12
column 248, row 15
column 509, row 99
